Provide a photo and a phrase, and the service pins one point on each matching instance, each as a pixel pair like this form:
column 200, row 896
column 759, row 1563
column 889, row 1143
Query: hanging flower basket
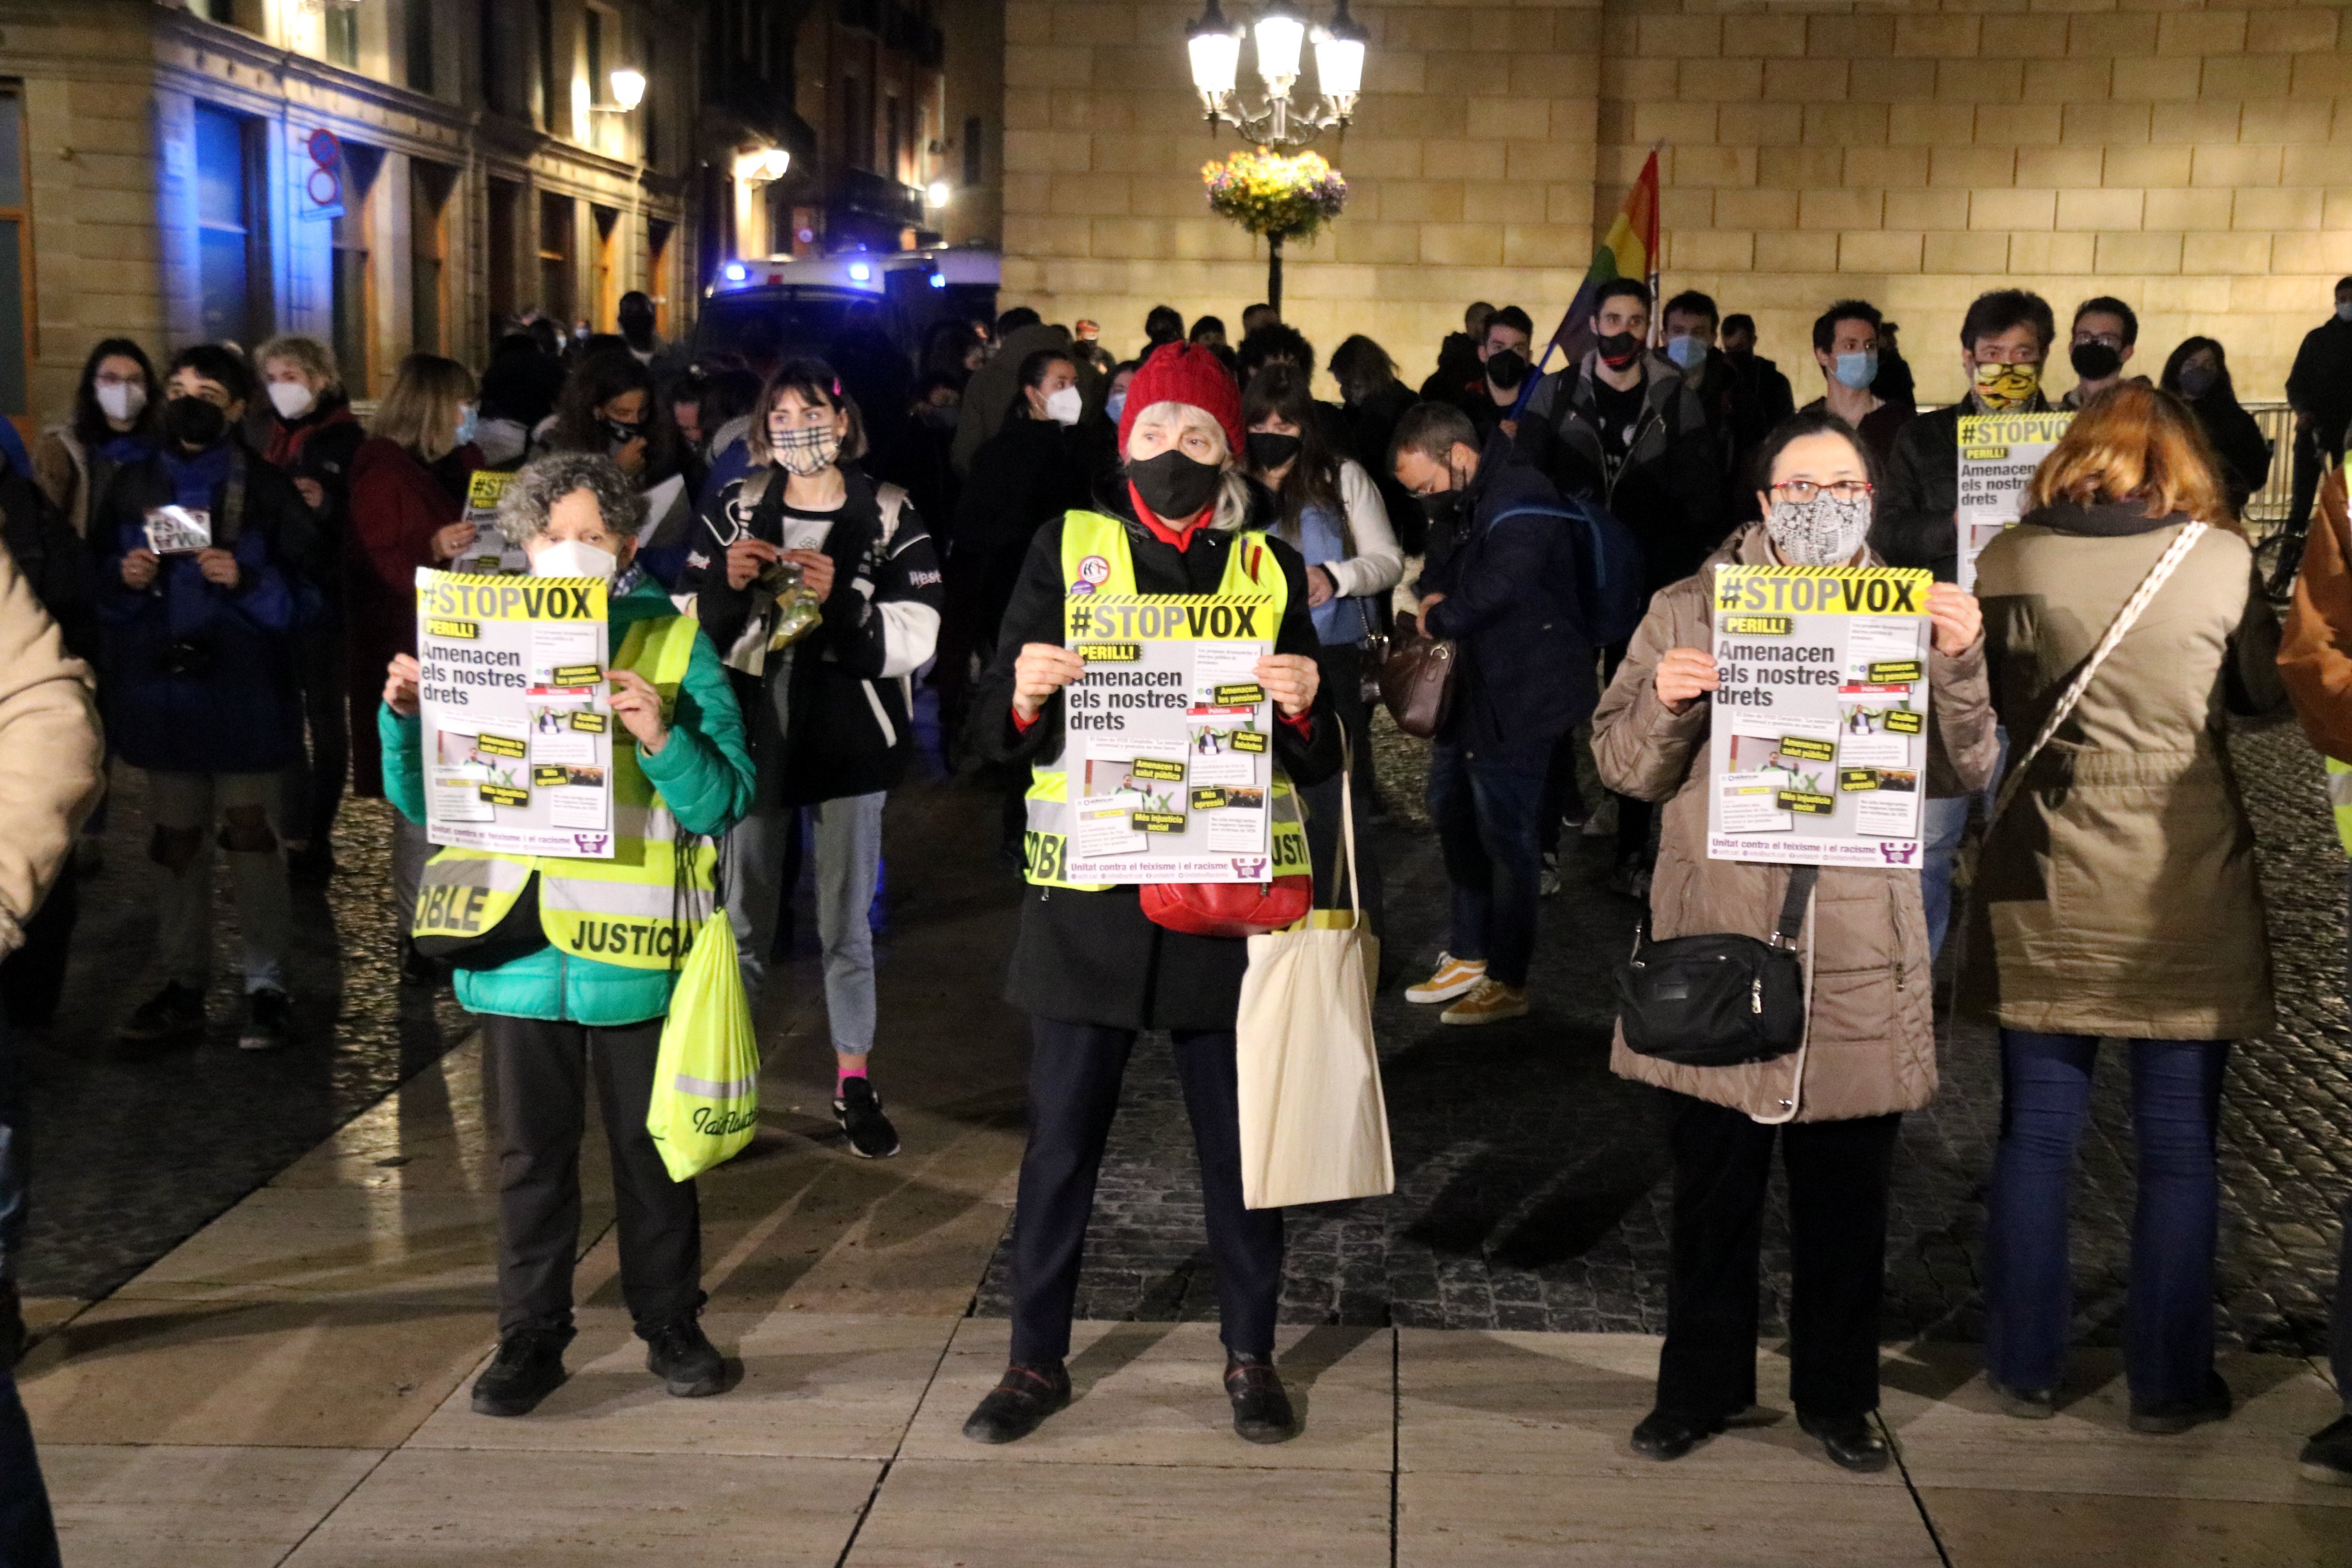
column 1281, row 198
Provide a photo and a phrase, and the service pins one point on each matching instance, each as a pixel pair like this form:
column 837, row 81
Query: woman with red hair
column 2115, row 898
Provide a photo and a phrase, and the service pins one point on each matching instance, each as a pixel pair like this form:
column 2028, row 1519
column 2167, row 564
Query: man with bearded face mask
column 201, row 691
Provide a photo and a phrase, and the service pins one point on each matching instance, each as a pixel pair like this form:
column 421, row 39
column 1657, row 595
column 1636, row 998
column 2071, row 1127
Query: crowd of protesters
column 929, row 501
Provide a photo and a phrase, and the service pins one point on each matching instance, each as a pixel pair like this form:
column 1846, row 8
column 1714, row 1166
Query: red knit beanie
column 1180, row 372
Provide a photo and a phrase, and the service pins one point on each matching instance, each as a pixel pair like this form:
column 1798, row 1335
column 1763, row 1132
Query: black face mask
column 1506, row 368
column 1268, row 449
column 2195, row 381
column 624, row 433
column 1443, row 508
column 1175, row 486
column 2095, row 362
column 1619, row 350
column 193, row 422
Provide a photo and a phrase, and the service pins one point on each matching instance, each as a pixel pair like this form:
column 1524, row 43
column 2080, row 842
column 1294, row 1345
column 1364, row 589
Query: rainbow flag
column 1630, row 249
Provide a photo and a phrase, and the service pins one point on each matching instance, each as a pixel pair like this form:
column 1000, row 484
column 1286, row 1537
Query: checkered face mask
column 805, row 449
column 1823, row 532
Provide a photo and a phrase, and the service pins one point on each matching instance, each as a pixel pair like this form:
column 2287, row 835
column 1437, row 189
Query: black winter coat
column 1527, row 674
column 1093, row 958
column 1669, row 490
column 2237, row 440
column 849, row 730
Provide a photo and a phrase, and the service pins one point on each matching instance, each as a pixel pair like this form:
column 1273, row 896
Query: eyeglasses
column 1802, row 490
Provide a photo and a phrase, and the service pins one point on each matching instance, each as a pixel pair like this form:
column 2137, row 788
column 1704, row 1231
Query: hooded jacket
column 2117, row 896
column 1870, row 1031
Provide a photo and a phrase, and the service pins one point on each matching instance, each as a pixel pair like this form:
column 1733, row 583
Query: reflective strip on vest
column 635, row 910
column 1045, row 841
column 2339, row 798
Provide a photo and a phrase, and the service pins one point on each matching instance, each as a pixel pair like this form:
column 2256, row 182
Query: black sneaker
column 529, row 1367
column 1262, row 1412
column 170, row 1014
column 268, row 1021
column 859, row 1111
column 682, row 1356
column 1019, row 1405
column 2328, row 1458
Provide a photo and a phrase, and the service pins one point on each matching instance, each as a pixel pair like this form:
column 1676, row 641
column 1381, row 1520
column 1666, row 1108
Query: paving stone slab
column 935, row 1513
column 803, row 1385
column 1676, row 1517
column 428, row 1508
column 335, row 1375
column 1953, row 1434
column 1999, row 1528
column 1150, row 1394
column 165, row 1507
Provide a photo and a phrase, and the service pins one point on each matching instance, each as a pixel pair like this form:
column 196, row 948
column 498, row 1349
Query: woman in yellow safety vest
column 571, row 961
column 1176, row 517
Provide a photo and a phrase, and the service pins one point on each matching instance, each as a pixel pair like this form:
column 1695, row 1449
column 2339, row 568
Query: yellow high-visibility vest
column 638, row 909
column 1093, row 541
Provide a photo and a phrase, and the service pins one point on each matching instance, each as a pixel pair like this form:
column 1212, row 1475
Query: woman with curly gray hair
column 571, row 964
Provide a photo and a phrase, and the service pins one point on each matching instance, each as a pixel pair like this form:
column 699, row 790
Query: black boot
column 1262, row 1412
column 1853, row 1441
column 682, row 1356
column 1669, row 1434
column 1020, row 1404
column 529, row 1367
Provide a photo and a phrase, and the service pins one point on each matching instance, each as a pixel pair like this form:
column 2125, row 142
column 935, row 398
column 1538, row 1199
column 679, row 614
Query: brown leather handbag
column 1417, row 681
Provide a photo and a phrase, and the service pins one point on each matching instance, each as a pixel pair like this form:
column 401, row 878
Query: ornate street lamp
column 1281, row 32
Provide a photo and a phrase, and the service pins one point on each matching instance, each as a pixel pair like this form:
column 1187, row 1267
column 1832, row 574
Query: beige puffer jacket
column 49, row 752
column 1870, row 1043
column 2117, row 897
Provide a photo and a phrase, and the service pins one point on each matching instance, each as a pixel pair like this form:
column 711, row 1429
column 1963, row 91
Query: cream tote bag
column 1313, row 1127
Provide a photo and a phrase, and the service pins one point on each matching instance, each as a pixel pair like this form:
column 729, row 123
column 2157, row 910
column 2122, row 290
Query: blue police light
column 937, row 281
column 860, row 273
column 737, row 272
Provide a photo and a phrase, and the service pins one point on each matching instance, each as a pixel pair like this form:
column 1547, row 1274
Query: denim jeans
column 1942, row 822
column 848, row 834
column 1488, row 811
column 2029, row 1287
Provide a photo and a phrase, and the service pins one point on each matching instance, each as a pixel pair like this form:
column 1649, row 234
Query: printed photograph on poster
column 514, row 762
column 1169, row 765
column 1817, row 731
column 490, row 554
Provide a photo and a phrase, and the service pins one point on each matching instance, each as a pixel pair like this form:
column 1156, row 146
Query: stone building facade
column 2195, row 161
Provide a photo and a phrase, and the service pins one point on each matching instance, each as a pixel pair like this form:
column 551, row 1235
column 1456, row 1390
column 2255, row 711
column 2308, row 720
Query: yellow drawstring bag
column 706, row 1101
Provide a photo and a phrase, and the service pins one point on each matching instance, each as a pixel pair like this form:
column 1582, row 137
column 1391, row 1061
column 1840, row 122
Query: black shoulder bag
column 1718, row 1000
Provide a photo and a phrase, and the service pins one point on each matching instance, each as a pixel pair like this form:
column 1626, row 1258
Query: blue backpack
column 1609, row 567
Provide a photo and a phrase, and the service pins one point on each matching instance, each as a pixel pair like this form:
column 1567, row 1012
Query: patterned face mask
column 2000, row 387
column 1823, row 532
column 805, row 449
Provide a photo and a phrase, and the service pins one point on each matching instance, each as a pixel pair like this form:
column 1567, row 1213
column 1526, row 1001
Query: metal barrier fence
column 2267, row 506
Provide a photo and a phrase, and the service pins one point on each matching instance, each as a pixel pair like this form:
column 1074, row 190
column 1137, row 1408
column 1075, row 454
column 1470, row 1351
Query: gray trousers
column 265, row 910
column 410, row 850
column 848, row 859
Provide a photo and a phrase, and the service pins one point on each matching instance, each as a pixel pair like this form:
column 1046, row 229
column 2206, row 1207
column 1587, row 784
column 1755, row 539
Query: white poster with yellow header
column 490, row 552
column 1999, row 453
column 1819, row 745
column 518, row 736
column 1168, row 746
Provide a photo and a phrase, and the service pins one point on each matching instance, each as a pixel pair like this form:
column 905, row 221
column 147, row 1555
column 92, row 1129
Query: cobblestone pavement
column 135, row 1150
column 1530, row 1182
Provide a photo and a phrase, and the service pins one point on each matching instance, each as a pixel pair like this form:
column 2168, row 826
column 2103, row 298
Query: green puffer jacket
column 703, row 775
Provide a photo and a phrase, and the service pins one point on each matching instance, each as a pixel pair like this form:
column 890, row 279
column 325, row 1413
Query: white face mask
column 570, row 558
column 292, row 399
column 1064, row 406
column 122, row 401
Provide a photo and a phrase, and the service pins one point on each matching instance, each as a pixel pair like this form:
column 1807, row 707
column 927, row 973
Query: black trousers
column 315, row 791
column 538, row 1074
column 1074, row 1076
column 1837, row 1243
column 33, row 978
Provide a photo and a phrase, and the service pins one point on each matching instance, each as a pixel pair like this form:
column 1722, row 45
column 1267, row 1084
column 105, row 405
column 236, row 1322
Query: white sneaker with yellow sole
column 1490, row 1002
column 1454, row 977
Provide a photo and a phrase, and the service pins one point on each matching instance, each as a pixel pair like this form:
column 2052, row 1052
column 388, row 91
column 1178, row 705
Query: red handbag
column 1229, row 908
